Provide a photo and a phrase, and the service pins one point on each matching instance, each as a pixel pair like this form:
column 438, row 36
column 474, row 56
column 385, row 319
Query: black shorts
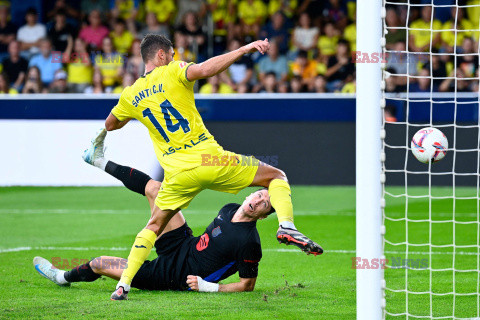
column 162, row 273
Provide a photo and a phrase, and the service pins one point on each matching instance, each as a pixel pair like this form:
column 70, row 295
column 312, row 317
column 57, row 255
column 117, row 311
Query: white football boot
column 96, row 150
column 47, row 270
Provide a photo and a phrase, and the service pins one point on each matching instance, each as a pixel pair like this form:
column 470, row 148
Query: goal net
column 431, row 212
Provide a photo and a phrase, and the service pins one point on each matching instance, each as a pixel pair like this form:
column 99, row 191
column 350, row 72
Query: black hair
column 271, row 73
column 120, row 21
column 32, row 10
column 302, row 54
column 150, row 45
column 272, row 209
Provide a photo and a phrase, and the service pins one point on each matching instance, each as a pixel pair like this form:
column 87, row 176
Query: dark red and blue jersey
column 223, row 249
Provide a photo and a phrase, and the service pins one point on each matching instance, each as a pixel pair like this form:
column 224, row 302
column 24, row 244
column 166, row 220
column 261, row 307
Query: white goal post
column 425, row 218
column 368, row 165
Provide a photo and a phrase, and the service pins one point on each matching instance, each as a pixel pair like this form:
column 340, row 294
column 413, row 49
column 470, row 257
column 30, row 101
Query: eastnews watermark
column 390, row 57
column 239, row 160
column 390, row 262
column 86, row 58
column 99, row 263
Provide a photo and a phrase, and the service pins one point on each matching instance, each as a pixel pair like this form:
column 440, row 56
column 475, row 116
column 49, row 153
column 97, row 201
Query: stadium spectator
column 350, row 86
column 251, row 14
column 164, row 10
column 15, row 66
column 296, row 85
column 223, row 16
column 389, row 113
column 30, row 34
column 8, row 31
column 182, row 52
column 269, row 84
column 282, row 87
column 455, row 84
column 336, row 11
column 473, row 12
column 33, row 83
column 192, row 32
column 128, row 80
column 5, row 85
column 135, row 63
column 110, row 64
column 273, row 62
column 419, row 40
column 350, row 34
column 214, row 85
column 94, row 33
column 305, row 36
column 87, row 6
column 319, row 84
column 121, row 37
column 340, row 66
column 63, row 6
column 394, row 34
column 276, row 31
column 402, row 62
column 438, row 68
column 198, row 7
column 391, row 81
column 305, row 68
column 79, row 68
column 126, row 10
column 45, row 63
column 153, row 26
column 61, row 33
column 240, row 73
column 287, row 8
column 423, row 83
column 448, row 37
column 59, row 84
column 97, row 84
column 468, row 61
column 312, row 7
column 327, row 42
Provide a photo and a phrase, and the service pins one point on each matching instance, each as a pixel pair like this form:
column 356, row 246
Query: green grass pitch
column 84, row 223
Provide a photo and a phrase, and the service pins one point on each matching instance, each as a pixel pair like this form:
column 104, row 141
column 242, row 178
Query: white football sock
column 287, row 224
column 60, row 277
column 100, row 163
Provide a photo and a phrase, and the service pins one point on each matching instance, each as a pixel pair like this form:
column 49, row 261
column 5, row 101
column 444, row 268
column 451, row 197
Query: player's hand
column 192, row 282
column 261, row 46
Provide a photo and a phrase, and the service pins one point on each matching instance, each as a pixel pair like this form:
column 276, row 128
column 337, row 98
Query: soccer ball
column 429, row 144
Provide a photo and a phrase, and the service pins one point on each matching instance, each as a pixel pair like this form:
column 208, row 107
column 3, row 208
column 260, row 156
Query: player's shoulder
column 229, row 209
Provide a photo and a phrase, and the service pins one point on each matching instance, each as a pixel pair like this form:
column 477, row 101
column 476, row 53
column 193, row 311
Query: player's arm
column 218, row 64
column 112, row 123
column 196, row 283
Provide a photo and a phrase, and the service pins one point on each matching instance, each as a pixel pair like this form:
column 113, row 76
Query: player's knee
column 152, row 188
column 96, row 264
column 279, row 174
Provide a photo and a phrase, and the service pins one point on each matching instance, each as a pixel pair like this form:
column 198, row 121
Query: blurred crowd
column 440, row 51
column 93, row 46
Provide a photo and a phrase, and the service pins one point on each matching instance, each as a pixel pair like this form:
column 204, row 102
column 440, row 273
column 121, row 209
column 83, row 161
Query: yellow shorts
column 226, row 172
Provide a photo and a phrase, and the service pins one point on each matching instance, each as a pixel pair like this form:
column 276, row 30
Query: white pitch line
column 147, row 212
column 52, row 248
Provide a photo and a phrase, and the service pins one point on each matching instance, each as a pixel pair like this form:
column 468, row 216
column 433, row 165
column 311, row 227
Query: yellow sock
column 281, row 199
column 140, row 250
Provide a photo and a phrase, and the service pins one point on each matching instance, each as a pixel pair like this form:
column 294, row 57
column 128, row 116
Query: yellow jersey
column 163, row 101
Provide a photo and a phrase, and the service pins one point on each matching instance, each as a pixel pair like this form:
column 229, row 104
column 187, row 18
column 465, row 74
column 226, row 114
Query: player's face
column 257, row 204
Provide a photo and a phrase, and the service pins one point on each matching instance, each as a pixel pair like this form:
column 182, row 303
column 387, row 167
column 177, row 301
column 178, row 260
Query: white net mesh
column 432, row 211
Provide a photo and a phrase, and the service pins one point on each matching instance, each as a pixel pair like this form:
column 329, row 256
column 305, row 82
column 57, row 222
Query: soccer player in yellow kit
column 192, row 160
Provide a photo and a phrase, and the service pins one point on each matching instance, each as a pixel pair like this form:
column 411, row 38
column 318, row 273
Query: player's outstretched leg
column 281, row 200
